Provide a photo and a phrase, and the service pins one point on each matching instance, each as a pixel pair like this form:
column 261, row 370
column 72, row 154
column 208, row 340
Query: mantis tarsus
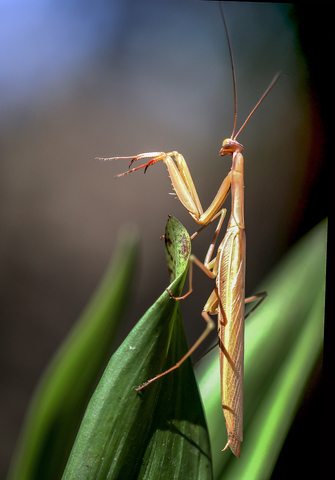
column 228, row 267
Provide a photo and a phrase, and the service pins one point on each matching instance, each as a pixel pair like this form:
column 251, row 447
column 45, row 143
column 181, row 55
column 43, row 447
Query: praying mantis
column 228, row 267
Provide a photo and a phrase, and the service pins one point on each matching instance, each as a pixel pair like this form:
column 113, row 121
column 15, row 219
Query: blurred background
column 106, row 78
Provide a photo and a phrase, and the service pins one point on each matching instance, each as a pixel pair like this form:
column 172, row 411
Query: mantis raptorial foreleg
column 183, row 185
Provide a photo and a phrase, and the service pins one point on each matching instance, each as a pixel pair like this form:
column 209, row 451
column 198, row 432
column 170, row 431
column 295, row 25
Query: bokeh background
column 103, row 78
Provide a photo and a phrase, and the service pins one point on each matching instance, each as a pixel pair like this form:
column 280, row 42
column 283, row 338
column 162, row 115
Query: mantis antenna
column 234, row 82
column 232, row 68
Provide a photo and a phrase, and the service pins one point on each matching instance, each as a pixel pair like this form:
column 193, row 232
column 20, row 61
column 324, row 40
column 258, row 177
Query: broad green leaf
column 61, row 397
column 160, row 431
column 283, row 340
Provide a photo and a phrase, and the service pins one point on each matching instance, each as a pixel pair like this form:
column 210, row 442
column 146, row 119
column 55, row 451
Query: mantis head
column 230, row 146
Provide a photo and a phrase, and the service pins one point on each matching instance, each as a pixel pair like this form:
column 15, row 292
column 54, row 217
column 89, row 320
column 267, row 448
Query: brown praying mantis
column 228, row 267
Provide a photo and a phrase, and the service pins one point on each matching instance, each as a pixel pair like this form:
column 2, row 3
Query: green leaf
column 160, row 431
column 59, row 402
column 283, row 340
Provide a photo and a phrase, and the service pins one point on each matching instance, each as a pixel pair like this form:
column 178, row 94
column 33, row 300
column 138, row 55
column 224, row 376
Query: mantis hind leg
column 210, row 307
column 209, row 327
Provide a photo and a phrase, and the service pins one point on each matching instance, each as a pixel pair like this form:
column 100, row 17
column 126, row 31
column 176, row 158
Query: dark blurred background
column 103, row 78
